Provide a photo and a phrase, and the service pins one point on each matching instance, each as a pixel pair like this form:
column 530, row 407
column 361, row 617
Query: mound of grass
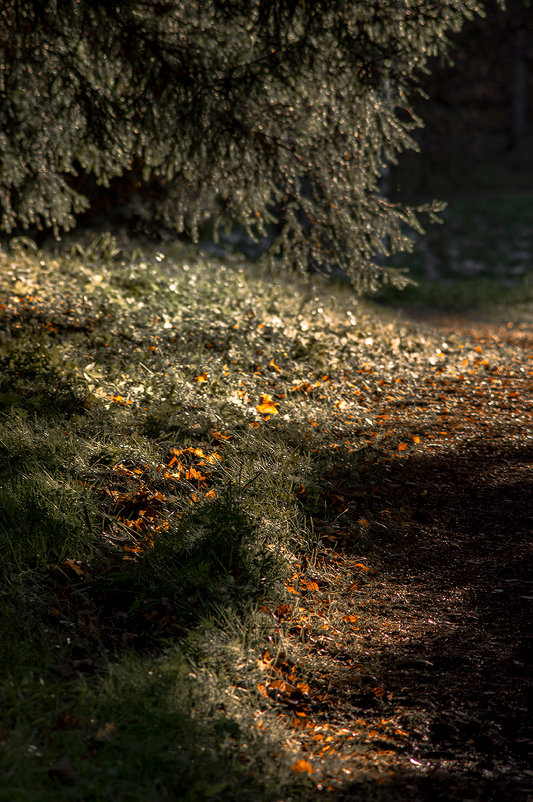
column 145, row 506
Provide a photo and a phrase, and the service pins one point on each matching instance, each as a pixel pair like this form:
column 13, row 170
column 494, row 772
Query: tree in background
column 241, row 110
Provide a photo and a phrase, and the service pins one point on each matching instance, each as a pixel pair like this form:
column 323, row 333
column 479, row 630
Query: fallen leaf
column 192, row 473
column 267, row 406
column 196, row 451
column 73, row 564
column 107, row 732
column 302, row 766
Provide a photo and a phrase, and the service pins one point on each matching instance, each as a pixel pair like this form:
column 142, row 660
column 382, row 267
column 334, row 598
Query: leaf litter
column 398, row 653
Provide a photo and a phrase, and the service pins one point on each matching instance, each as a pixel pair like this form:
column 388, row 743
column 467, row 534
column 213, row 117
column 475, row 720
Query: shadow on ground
column 446, row 620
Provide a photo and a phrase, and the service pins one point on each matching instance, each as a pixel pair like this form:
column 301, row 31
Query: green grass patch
column 146, row 513
column 174, row 432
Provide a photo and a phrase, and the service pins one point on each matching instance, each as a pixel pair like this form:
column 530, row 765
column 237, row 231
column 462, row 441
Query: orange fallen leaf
column 212, row 459
column 192, row 473
column 74, row 565
column 302, row 766
column 303, row 387
column 416, row 438
column 402, row 446
column 203, row 377
column 361, row 566
column 262, row 690
column 119, row 399
column 196, row 451
column 107, row 732
column 267, row 406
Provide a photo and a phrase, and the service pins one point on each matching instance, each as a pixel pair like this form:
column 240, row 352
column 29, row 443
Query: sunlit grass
column 170, row 430
column 145, row 505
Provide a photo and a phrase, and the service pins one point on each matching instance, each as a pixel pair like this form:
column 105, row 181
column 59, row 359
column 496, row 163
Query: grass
column 147, row 512
column 168, row 424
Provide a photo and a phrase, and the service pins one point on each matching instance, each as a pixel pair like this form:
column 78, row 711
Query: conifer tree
column 246, row 110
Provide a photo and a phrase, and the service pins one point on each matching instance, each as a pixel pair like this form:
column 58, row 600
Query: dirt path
column 404, row 660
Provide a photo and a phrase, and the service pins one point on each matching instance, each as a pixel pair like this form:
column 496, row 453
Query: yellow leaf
column 203, row 377
column 416, row 438
column 272, row 364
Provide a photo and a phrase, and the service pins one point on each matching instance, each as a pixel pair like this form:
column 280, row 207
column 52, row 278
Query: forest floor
column 258, row 544
column 427, row 693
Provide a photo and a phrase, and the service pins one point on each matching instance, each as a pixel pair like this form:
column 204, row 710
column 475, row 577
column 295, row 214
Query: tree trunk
column 518, row 91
